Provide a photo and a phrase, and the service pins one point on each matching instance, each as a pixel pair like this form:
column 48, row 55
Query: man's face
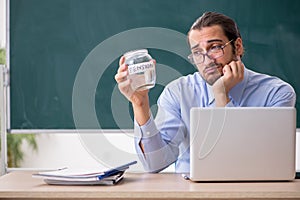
column 202, row 41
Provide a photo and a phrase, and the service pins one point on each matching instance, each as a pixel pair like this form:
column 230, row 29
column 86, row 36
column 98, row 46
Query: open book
column 69, row 176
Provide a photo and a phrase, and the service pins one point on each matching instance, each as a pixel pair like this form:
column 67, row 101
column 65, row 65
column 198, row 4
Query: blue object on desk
column 116, row 170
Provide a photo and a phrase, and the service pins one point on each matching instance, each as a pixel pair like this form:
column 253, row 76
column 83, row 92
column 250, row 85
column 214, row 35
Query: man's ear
column 239, row 48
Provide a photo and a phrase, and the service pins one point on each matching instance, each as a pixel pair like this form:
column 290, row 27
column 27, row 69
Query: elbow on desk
column 148, row 168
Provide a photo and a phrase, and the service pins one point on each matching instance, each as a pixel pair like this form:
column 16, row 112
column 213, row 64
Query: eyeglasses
column 214, row 52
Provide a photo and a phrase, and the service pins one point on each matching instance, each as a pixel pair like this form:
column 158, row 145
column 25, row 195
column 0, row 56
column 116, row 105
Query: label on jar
column 140, row 67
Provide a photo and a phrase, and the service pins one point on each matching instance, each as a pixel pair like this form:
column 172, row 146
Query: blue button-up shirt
column 166, row 139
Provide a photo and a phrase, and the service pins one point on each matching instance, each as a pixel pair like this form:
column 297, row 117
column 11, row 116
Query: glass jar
column 141, row 69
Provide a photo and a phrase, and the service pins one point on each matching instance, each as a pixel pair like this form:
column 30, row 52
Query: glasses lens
column 191, row 59
column 215, row 52
column 200, row 58
column 197, row 58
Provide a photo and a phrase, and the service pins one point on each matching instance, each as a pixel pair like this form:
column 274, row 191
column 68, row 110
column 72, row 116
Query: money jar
column 141, row 69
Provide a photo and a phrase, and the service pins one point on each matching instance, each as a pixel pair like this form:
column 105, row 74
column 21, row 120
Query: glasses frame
column 191, row 56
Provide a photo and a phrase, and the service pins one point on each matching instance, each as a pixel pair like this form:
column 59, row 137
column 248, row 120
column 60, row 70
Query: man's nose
column 208, row 59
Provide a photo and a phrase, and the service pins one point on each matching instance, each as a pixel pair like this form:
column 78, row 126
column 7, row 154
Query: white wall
column 70, row 150
column 59, row 150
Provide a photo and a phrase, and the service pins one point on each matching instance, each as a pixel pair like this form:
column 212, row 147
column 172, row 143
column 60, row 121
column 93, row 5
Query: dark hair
column 226, row 23
column 212, row 18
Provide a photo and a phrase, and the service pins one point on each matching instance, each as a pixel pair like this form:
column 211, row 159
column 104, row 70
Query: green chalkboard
column 64, row 53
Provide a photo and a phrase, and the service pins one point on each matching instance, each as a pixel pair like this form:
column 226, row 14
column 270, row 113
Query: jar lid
column 137, row 51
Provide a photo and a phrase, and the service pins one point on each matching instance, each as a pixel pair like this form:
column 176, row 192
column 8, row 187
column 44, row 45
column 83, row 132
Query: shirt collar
column 211, row 96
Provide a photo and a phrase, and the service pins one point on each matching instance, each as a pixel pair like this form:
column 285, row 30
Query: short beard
column 218, row 73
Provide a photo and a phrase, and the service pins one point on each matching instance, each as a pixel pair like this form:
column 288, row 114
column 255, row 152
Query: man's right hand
column 139, row 99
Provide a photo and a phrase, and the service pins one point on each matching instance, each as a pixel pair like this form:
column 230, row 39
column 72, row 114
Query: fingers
column 122, row 60
column 154, row 61
column 122, row 65
column 124, row 86
column 233, row 74
column 122, row 71
column 234, row 70
column 239, row 70
column 121, row 76
column 126, row 89
column 227, row 70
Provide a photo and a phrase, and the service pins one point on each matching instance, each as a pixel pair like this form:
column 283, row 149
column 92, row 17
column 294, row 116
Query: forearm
column 141, row 110
column 222, row 99
column 153, row 151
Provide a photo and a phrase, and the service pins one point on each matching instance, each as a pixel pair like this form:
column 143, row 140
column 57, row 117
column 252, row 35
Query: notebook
column 242, row 144
column 71, row 176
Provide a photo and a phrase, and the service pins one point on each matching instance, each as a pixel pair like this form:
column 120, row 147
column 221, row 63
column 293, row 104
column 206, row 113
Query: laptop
column 242, row 144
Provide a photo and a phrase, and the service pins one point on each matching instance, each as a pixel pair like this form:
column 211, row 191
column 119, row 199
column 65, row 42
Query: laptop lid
column 246, row 143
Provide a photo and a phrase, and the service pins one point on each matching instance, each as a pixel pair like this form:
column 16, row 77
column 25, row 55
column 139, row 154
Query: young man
column 222, row 80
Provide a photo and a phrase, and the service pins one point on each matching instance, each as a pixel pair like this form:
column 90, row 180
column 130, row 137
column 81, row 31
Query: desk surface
column 20, row 185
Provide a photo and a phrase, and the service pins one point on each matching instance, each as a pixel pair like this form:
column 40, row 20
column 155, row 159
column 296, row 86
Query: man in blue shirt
column 222, row 80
